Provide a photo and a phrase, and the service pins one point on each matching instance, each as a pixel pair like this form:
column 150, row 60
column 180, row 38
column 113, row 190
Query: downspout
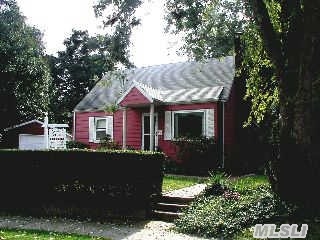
column 74, row 126
column 222, row 165
column 124, row 128
column 152, row 132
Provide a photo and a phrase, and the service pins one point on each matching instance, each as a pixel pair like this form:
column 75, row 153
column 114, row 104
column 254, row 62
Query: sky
column 57, row 18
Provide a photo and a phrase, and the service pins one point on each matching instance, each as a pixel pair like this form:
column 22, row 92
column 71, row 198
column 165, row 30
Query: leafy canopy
column 24, row 75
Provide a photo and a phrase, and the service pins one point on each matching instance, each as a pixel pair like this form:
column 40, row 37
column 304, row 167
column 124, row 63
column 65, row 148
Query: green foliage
column 76, row 144
column 208, row 27
column 13, row 234
column 198, row 155
column 24, row 75
column 108, row 143
column 261, row 83
column 77, row 69
column 236, row 208
column 172, row 167
column 119, row 18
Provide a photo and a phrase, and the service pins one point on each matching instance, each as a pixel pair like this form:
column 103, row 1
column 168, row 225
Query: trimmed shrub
column 75, row 144
column 108, row 144
column 198, row 155
column 172, row 167
column 97, row 180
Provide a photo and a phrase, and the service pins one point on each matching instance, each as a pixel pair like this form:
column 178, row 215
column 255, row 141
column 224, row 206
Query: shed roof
column 185, row 82
column 24, row 124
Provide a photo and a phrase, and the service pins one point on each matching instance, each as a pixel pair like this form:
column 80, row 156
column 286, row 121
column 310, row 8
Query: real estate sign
column 57, row 138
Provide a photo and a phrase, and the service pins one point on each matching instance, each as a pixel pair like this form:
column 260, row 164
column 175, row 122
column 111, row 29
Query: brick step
column 165, row 216
column 169, row 207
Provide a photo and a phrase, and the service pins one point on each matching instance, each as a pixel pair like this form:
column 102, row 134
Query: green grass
column 14, row 234
column 173, row 182
column 248, row 183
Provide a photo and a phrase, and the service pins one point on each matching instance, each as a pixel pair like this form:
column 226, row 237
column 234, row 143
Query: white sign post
column 55, row 135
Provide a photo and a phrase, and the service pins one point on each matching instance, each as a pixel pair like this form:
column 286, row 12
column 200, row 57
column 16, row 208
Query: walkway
column 143, row 230
column 187, row 192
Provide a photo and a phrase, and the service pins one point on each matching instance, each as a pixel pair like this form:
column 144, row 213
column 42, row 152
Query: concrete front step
column 165, row 216
column 169, row 207
column 178, row 200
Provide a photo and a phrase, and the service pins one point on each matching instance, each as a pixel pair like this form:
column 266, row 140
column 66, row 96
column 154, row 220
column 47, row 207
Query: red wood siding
column 82, row 126
column 134, row 97
column 230, row 119
column 134, row 127
column 12, row 137
column 32, row 128
column 117, row 127
column 167, row 146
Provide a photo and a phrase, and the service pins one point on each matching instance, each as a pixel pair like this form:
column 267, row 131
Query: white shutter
column 167, row 125
column 92, row 131
column 109, row 126
column 210, row 123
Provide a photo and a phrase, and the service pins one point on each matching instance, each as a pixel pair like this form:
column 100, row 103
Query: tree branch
column 269, row 35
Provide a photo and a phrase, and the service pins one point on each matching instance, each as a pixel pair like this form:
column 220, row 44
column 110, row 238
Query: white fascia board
column 23, row 124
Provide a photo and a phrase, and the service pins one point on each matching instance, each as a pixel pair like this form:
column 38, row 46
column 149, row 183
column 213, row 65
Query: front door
column 146, row 131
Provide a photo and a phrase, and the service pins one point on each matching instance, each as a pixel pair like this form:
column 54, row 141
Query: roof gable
column 134, row 96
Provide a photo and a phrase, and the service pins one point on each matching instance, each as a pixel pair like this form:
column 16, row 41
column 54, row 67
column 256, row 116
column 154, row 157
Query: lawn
column 173, row 182
column 12, row 234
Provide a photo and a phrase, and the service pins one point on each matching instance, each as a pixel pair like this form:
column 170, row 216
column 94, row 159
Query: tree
column 76, row 70
column 208, row 26
column 86, row 58
column 280, row 56
column 294, row 52
column 119, row 19
column 24, row 75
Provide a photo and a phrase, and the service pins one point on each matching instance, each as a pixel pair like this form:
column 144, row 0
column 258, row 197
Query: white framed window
column 189, row 123
column 99, row 128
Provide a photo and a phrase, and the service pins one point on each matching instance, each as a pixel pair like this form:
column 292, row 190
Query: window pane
column 146, row 123
column 101, row 123
column 100, row 135
column 146, row 142
column 188, row 124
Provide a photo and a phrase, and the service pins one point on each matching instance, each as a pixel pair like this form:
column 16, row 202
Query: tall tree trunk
column 296, row 170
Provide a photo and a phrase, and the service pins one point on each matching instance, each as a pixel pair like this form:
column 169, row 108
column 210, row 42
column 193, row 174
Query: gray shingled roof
column 176, row 82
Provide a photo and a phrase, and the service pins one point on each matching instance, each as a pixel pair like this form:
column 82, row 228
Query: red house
column 157, row 104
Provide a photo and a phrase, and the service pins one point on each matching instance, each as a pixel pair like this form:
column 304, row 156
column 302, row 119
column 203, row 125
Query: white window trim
column 204, row 127
column 95, row 140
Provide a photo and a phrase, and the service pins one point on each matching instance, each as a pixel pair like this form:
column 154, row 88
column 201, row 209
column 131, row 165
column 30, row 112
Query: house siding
column 167, row 146
column 134, row 127
column 82, row 126
column 134, row 97
column 230, row 120
column 117, row 126
column 134, row 124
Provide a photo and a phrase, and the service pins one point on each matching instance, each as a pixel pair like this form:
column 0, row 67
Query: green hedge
column 79, row 178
